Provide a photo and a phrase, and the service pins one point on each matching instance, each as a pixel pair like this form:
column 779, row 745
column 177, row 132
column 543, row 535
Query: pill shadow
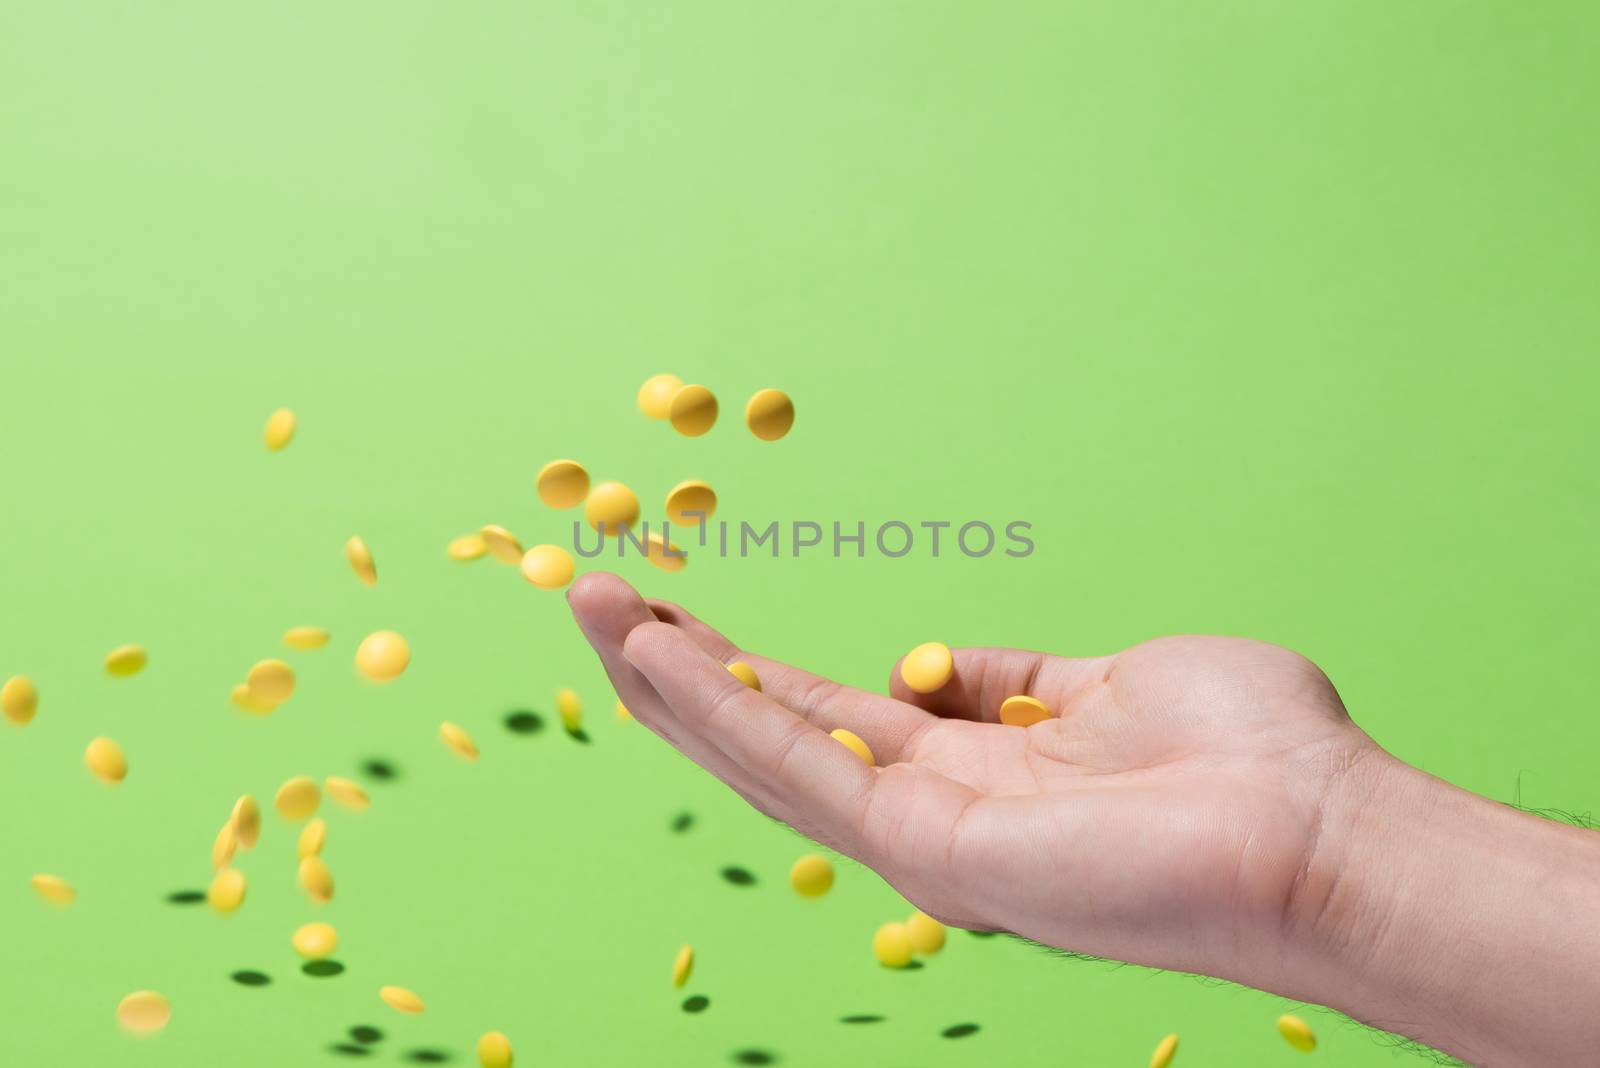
column 682, row 822
column 983, row 934
column 366, row 1034
column 755, row 1056
column 696, row 1003
column 863, row 1018
column 250, row 977
column 428, row 1055
column 960, row 1030
column 579, row 735
column 524, row 721
column 186, row 897
column 381, row 770
column 322, row 969
column 738, row 876
column 349, row 1049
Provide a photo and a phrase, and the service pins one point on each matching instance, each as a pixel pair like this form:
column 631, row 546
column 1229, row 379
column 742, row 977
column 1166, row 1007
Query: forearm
column 1451, row 919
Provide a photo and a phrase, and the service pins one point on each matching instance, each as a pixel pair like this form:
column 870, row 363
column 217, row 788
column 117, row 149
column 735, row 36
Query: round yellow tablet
column 925, row 932
column 494, row 1050
column 655, row 396
column 279, row 430
column 769, row 414
column 852, row 741
column 19, row 700
column 315, row 941
column 382, row 655
column 226, row 892
column 346, row 793
column 691, row 497
column 1297, row 1033
column 270, row 682
column 892, row 945
column 312, row 837
column 569, row 708
column 54, row 889
column 611, row 507
column 503, row 545
column 562, row 483
column 682, row 966
column 467, row 547
column 305, row 637
column 1165, row 1050
column 812, row 875
column 361, row 562
column 400, row 999
column 224, row 846
column 104, row 759
column 927, row 667
column 315, row 879
column 243, row 698
column 745, row 674
column 656, row 551
column 622, row 712
column 126, row 660
column 458, row 740
column 246, row 821
column 144, row 1012
column 297, row 799
column 1023, row 711
column 693, row 411
column 548, row 567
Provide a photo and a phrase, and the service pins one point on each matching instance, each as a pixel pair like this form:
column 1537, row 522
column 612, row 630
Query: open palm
column 1167, row 814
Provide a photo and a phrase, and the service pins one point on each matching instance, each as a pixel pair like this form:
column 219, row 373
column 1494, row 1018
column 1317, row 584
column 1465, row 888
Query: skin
column 1197, row 803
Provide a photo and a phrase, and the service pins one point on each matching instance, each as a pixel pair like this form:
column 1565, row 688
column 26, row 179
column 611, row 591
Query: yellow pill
column 346, row 793
column 305, row 637
column 19, row 700
column 1297, row 1033
column 548, row 567
column 745, row 674
column 126, row 660
column 315, row 940
column 562, row 483
column 927, row 667
column 224, row 846
column 400, row 999
column 270, row 682
column 655, row 550
column 467, row 547
column 682, row 966
column 851, row 741
column 226, row 892
column 892, row 945
column 279, row 429
column 502, row 544
column 243, row 698
column 458, row 740
column 1166, row 1049
column 693, row 411
column 144, row 1012
column 569, row 708
column 494, row 1050
column 54, row 889
column 770, row 414
column 925, row 932
column 105, row 760
column 315, row 879
column 623, row 713
column 655, row 396
column 312, row 837
column 691, row 497
column 246, row 821
column 611, row 508
column 361, row 562
column 382, row 655
column 812, row 875
column 297, row 799
column 1023, row 711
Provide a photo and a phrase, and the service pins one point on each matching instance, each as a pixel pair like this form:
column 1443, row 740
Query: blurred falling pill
column 126, row 660
column 104, row 759
column 926, row 933
column 682, row 966
column 570, row 708
column 297, row 799
column 19, row 700
column 1165, row 1050
column 1297, row 1033
column 690, row 497
column 54, row 889
column 243, row 698
column 346, row 793
column 1023, row 711
column 494, row 1050
column 892, row 945
column 562, row 483
column 312, row 837
column 548, row 567
column 745, row 674
column 655, row 396
column 503, row 545
column 279, row 429
column 769, row 414
column 693, row 411
column 812, row 875
column 226, row 892
column 657, row 551
column 383, row 655
column 246, row 821
column 270, row 682
column 224, row 846
column 305, row 637
column 400, row 999
column 467, row 547
column 927, row 667
column 622, row 712
column 361, row 562
column 314, row 941
column 611, row 507
column 851, row 741
column 315, row 879
column 144, row 1012
column 458, row 740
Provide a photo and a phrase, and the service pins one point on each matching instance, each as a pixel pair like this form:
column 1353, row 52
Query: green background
column 1274, row 320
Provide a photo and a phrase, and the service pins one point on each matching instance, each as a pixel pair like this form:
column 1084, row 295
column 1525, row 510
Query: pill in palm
column 19, row 700
column 927, row 667
column 1297, row 1033
column 925, row 932
column 655, row 396
column 548, row 567
column 502, row 544
column 745, row 674
column 769, row 414
column 361, row 562
column 315, row 940
column 144, row 1012
column 852, row 741
column 682, row 966
column 400, row 999
column 297, row 798
column 1023, row 711
column 811, row 875
column 611, row 507
column 382, row 655
column 105, row 760
column 892, row 945
column 562, row 483
column 494, row 1050
column 126, row 660
column 693, row 411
